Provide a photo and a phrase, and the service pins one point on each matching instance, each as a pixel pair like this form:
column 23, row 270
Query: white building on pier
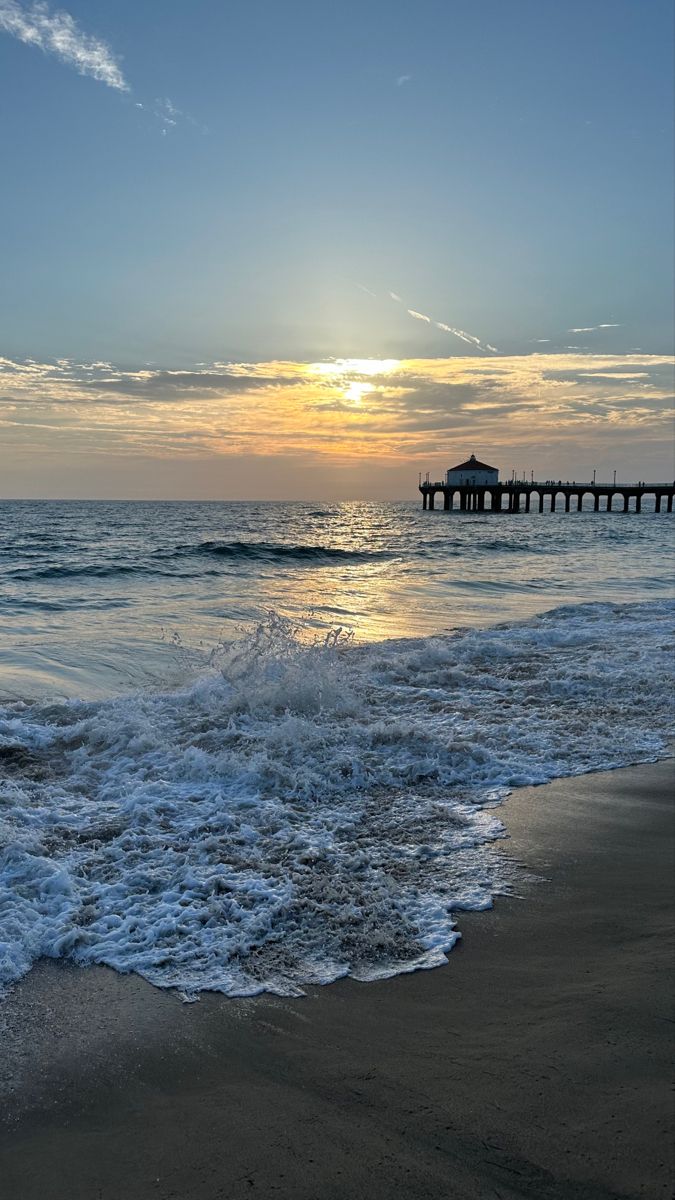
column 472, row 472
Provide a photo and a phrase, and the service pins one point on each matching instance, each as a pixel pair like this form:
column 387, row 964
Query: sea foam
column 305, row 812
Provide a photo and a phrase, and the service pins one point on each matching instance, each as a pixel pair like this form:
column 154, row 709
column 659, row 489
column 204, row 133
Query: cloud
column 164, row 385
column 163, row 111
column 96, row 428
column 419, row 316
column 167, row 114
column 57, row 33
column 402, row 79
column 593, row 328
column 68, row 382
column 347, row 411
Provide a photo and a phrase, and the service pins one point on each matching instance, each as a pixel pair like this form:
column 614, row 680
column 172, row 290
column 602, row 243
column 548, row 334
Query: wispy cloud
column 167, row 115
column 458, row 333
column 58, row 33
column 593, row 328
column 402, row 79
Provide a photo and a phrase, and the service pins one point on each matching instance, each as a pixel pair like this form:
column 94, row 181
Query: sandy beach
column 538, row 1063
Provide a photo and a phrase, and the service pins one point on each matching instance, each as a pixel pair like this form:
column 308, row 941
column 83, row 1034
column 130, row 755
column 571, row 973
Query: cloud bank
column 57, row 33
column 360, row 415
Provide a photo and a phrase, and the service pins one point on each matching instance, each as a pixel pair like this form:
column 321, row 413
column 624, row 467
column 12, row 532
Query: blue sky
column 504, row 167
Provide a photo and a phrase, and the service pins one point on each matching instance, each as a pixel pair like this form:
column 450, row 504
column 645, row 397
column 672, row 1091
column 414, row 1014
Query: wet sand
column 538, row 1063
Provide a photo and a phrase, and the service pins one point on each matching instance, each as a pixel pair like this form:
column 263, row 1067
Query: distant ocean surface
column 254, row 746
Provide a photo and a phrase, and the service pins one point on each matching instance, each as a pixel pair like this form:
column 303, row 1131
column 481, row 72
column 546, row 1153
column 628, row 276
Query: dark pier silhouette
column 550, row 496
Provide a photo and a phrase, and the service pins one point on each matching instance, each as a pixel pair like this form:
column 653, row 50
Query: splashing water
column 308, row 809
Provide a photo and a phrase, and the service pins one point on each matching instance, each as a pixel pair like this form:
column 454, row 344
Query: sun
column 347, row 374
column 357, row 390
column 355, row 366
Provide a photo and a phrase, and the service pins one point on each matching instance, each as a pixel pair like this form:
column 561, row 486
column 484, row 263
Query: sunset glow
column 385, row 419
column 248, row 324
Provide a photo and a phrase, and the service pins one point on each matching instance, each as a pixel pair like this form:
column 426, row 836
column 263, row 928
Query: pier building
column 472, row 473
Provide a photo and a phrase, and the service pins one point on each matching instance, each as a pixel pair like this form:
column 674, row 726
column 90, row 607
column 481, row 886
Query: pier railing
column 588, row 484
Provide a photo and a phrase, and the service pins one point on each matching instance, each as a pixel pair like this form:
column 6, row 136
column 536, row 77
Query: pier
column 550, row 496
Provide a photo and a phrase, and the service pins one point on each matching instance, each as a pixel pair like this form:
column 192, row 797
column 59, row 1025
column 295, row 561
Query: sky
column 293, row 250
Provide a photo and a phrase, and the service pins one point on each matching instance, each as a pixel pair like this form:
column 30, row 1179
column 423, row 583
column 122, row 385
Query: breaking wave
column 309, row 811
column 165, row 562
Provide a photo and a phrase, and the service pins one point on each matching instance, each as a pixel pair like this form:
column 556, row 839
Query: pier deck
column 527, row 497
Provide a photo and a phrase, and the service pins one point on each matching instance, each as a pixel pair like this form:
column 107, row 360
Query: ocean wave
column 514, row 546
column 91, row 570
column 30, row 604
column 451, row 547
column 280, row 552
column 95, row 570
column 164, row 562
column 309, row 811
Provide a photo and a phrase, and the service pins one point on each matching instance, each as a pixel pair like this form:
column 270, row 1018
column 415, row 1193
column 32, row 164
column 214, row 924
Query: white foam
column 308, row 812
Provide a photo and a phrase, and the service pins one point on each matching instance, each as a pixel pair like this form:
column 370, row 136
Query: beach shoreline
column 537, row 1063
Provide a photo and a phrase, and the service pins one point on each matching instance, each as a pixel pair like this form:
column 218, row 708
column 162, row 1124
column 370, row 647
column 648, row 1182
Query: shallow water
column 248, row 747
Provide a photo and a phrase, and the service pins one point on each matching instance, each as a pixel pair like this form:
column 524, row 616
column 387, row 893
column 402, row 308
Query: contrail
column 592, row 328
column 469, row 338
column 458, row 333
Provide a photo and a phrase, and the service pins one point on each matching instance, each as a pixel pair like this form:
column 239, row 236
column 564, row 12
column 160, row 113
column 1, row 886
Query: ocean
column 252, row 747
